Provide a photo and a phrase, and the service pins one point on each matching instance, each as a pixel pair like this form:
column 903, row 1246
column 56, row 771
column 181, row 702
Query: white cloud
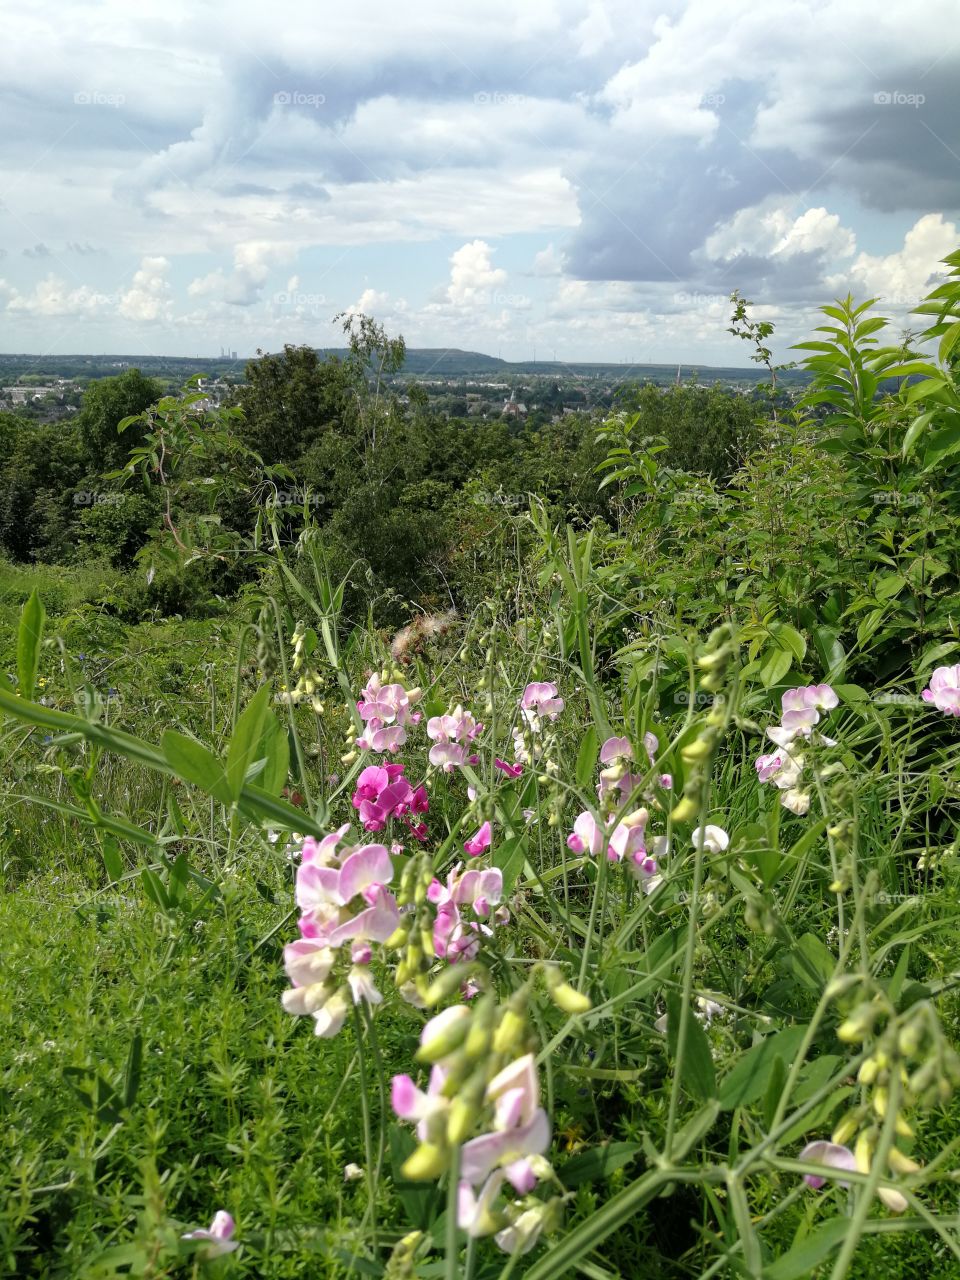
column 473, row 275
column 904, row 277
column 770, row 230
column 149, row 297
column 243, row 286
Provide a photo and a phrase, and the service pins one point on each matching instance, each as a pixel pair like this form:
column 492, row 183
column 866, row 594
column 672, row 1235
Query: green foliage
column 767, row 988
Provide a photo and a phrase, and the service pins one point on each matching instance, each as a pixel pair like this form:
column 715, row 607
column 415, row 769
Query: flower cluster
column 944, row 690
column 309, row 681
column 540, row 705
column 784, row 767
column 452, row 735
column 455, row 938
column 343, row 897
column 383, row 793
column 623, row 836
column 483, row 1075
column 386, row 710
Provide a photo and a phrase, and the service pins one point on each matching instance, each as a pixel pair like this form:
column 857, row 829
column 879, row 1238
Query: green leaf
column 699, row 1076
column 247, row 733
column 790, row 638
column 133, row 1072
column 274, row 748
column 749, row 1079
column 29, row 639
column 509, row 857
column 154, row 889
column 600, row 1162
column 191, row 761
column 587, row 757
column 806, row 1254
column 811, row 962
column 112, row 862
column 775, row 667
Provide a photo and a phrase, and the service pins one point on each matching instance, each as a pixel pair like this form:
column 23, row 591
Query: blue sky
column 589, row 178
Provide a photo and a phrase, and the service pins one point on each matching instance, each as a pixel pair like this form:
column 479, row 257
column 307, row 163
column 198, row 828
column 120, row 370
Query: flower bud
column 900, row 1163
column 443, row 1033
column 511, row 1034
column 569, row 999
column 685, row 810
column 427, row 1163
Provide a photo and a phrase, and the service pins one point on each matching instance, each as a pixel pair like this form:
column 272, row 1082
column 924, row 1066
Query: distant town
column 458, row 384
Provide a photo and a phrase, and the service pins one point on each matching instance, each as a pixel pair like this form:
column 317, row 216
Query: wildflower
column 944, row 690
column 539, row 700
column 715, row 839
column 387, row 711
column 511, row 770
column 383, row 793
column 352, row 1172
column 451, row 735
column 219, row 1234
column 831, row 1154
column 479, row 842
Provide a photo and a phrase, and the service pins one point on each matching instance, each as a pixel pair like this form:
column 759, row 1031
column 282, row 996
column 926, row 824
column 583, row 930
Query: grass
column 149, row 1075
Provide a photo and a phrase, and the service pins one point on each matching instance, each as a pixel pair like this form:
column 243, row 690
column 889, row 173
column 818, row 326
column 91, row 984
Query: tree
column 106, row 402
column 292, row 400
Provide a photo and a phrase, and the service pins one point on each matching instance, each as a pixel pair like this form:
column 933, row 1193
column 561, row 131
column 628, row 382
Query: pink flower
column 320, row 852
column 521, row 1129
column 511, row 770
column 539, row 700
column 616, row 749
column 587, row 835
column 479, row 842
column 219, row 1234
column 452, row 734
column 769, row 766
column 411, row 1103
column 387, row 703
column 944, row 690
column 830, row 1154
column 377, row 737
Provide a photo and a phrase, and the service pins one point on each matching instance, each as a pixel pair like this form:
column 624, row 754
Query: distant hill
column 421, row 362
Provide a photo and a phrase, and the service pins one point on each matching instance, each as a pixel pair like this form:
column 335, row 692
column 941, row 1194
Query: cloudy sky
column 567, row 178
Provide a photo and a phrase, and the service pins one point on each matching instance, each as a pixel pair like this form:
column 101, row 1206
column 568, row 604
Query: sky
column 550, row 179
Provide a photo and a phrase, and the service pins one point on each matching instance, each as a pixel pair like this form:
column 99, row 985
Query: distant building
column 513, row 409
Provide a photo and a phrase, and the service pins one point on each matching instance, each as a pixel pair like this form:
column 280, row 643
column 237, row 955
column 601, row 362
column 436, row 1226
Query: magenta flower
column 944, row 690
column 511, row 770
column 479, row 842
column 219, row 1234
column 769, row 766
column 411, row 1103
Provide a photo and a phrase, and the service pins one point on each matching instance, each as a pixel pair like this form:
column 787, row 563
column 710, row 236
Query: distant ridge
column 421, row 362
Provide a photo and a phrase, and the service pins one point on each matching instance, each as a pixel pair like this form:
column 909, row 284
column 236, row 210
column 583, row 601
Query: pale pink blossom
column 831, row 1154
column 944, row 690
column 479, row 842
column 219, row 1235
column 540, row 700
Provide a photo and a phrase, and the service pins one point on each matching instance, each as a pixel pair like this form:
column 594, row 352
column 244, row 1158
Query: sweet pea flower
column 715, row 839
column 219, row 1234
column 521, row 1129
column 451, row 735
column 615, row 749
column 831, row 1154
column 944, row 690
column 479, row 842
column 539, row 700
column 769, row 766
column 328, row 1020
column 475, row 1213
column 511, row 770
